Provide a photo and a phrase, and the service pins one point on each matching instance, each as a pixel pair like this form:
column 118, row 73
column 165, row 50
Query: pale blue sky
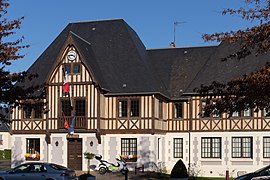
column 152, row 20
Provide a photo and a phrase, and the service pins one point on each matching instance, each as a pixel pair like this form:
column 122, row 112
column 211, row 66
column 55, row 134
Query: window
column 178, row 110
column 205, row 112
column 122, row 108
column 80, row 107
column 38, row 110
column 1, row 139
column 27, row 111
column 247, row 112
column 242, row 147
column 236, row 114
column 160, row 114
column 67, row 68
column 128, row 108
column 32, row 110
column 178, row 147
column 76, row 68
column 32, row 149
column 66, row 107
column 72, row 68
column 266, row 113
column 211, row 147
column 266, row 147
column 129, row 149
column 134, row 109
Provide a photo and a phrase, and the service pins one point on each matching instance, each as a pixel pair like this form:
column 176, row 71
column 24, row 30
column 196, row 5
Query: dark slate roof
column 120, row 64
column 177, row 67
column 224, row 71
column 111, row 50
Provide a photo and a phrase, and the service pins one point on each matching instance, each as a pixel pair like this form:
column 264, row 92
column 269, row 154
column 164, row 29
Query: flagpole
column 174, row 26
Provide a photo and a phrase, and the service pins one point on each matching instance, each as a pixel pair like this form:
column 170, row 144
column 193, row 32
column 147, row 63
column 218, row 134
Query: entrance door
column 75, row 154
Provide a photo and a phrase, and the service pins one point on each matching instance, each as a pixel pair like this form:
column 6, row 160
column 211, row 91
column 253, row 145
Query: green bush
column 5, row 154
column 179, row 170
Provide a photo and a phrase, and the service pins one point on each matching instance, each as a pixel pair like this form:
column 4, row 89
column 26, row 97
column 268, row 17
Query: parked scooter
column 106, row 166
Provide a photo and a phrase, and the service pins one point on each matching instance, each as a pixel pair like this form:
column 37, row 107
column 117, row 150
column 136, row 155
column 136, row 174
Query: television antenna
column 174, row 27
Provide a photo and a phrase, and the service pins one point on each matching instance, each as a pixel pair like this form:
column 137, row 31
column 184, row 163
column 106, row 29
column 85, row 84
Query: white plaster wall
column 217, row 167
column 18, row 148
column 6, row 141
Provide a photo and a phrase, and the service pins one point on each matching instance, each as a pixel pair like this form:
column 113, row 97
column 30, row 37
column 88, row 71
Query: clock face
column 71, row 55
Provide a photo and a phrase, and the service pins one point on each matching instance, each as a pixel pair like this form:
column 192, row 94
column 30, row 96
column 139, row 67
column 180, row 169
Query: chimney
column 172, row 45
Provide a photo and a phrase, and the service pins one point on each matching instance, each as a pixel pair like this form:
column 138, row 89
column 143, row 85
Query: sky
column 153, row 21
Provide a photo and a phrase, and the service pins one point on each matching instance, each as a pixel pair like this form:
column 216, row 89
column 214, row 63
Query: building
column 135, row 102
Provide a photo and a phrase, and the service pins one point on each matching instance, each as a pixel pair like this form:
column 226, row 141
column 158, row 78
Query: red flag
column 66, row 125
column 66, row 87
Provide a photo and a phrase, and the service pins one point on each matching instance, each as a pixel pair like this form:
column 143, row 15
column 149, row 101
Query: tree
column 251, row 90
column 10, row 48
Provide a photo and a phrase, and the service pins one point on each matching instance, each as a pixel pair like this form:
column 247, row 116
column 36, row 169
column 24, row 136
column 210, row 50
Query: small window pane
column 80, row 107
column 67, row 68
column 66, row 108
column 76, row 68
column 27, row 111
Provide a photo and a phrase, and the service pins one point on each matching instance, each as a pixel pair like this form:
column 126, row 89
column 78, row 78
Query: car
column 262, row 173
column 38, row 171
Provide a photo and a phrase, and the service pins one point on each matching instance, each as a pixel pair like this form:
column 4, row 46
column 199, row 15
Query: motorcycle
column 106, row 166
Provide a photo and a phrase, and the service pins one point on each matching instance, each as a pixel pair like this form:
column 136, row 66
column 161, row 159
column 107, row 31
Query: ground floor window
column 129, row 149
column 266, row 147
column 178, row 147
column 211, row 147
column 32, row 149
column 242, row 147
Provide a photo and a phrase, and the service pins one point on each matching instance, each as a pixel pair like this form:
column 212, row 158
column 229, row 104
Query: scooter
column 106, row 166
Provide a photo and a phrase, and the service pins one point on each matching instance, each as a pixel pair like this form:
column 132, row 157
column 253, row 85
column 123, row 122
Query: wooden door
column 75, row 154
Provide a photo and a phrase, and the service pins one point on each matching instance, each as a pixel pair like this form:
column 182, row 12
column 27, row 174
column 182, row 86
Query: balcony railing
column 80, row 122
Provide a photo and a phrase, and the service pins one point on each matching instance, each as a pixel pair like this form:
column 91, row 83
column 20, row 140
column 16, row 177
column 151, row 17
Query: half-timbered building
column 136, row 102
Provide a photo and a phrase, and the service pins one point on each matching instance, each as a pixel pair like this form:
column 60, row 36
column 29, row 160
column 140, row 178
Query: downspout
column 189, row 129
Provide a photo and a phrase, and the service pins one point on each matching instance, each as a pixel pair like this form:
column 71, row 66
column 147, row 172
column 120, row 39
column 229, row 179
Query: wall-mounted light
column 91, row 143
column 56, row 143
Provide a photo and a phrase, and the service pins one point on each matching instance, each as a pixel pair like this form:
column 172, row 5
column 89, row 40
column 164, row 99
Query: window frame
column 32, row 147
column 178, row 110
column 238, row 147
column 71, row 67
column 210, row 145
column 266, row 147
column 178, row 148
column 126, row 105
column 129, row 147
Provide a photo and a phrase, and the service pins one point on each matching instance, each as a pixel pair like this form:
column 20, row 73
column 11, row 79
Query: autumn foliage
column 9, row 52
column 252, row 91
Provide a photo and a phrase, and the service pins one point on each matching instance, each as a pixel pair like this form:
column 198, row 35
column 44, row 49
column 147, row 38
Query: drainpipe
column 189, row 129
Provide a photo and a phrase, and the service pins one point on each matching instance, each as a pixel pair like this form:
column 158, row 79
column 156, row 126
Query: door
column 75, row 154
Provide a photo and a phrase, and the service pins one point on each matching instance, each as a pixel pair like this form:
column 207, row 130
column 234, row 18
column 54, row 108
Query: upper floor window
column 32, row 110
column 206, row 112
column 72, row 68
column 78, row 105
column 178, row 111
column 247, row 112
column 211, row 147
column 242, row 147
column 266, row 113
column 129, row 107
column 160, row 114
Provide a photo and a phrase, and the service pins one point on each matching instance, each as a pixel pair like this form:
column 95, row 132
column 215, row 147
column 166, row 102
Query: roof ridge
column 73, row 33
column 98, row 20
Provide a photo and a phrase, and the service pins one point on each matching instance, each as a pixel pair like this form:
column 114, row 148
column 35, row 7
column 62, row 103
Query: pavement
column 118, row 176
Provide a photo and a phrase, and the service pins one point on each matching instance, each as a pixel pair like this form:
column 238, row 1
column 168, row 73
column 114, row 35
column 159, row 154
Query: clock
column 71, row 55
